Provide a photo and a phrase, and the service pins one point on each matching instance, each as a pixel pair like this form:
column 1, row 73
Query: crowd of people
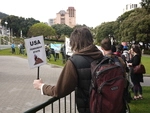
column 21, row 48
column 132, row 57
column 74, row 79
column 55, row 53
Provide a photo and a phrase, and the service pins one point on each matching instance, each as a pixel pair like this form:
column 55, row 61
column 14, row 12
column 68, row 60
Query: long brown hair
column 136, row 49
column 80, row 38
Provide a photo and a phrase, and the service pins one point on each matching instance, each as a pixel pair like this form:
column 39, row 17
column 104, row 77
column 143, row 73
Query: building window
column 126, row 7
column 62, row 21
column 132, row 5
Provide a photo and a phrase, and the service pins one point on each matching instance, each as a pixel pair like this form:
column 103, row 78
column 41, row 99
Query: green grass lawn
column 141, row 106
column 58, row 62
column 146, row 61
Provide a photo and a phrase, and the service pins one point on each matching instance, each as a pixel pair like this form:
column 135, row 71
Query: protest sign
column 56, row 47
column 69, row 52
column 35, row 51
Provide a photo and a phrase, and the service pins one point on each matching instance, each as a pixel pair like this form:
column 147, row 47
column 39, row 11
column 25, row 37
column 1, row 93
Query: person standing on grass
column 13, row 48
column 75, row 77
column 135, row 51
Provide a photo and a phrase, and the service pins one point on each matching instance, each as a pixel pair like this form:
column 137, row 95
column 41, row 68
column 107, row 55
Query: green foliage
column 146, row 5
column 104, row 30
column 147, row 52
column 3, row 15
column 77, row 26
column 41, row 29
column 62, row 29
column 131, row 26
column 62, row 37
column 18, row 40
column 136, row 26
column 18, row 24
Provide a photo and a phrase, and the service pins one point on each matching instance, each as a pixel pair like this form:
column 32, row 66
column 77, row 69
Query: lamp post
column 111, row 39
column 6, row 30
column 6, row 25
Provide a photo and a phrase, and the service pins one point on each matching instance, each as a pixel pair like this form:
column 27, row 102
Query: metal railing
column 68, row 102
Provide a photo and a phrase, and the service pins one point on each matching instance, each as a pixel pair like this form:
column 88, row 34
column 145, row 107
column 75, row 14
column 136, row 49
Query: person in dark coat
column 73, row 77
column 136, row 78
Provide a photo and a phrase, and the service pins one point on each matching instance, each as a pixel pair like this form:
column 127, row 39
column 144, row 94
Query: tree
column 104, row 30
column 119, row 26
column 18, row 24
column 41, row 29
column 146, row 5
column 143, row 31
column 12, row 23
column 136, row 26
column 3, row 15
column 62, row 29
column 25, row 25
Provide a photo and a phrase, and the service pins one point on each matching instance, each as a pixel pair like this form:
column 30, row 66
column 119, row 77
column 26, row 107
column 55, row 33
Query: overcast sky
column 89, row 12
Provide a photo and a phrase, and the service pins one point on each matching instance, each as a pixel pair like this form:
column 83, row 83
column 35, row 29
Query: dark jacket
column 136, row 78
column 70, row 78
column 82, row 64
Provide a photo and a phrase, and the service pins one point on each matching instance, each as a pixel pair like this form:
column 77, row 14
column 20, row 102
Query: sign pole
column 38, row 73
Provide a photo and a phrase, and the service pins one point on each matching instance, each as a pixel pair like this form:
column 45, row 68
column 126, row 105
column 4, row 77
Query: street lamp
column 111, row 39
column 6, row 24
column 6, row 30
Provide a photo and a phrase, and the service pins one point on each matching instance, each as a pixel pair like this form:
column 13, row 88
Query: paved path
column 16, row 90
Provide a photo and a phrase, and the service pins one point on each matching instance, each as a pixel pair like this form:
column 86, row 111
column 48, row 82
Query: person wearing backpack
column 121, row 51
column 107, row 51
column 76, row 74
column 113, row 83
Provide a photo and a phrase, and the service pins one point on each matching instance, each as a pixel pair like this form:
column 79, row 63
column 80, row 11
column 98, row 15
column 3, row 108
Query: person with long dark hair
column 75, row 77
column 135, row 52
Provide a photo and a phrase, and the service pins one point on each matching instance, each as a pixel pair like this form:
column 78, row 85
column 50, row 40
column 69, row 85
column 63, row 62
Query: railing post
column 70, row 103
column 52, row 108
column 51, row 102
column 59, row 105
column 75, row 103
column 65, row 103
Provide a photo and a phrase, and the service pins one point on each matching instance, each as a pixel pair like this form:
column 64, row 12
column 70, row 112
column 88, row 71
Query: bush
column 147, row 52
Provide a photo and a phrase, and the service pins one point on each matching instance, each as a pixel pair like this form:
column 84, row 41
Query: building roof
column 62, row 12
